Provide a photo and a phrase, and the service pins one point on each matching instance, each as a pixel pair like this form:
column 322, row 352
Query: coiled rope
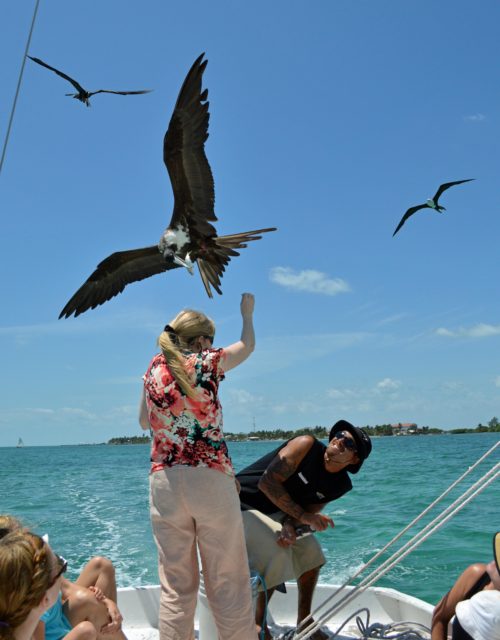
column 6, row 141
column 377, row 631
column 412, row 544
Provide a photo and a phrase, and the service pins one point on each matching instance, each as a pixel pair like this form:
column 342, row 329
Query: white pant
column 197, row 506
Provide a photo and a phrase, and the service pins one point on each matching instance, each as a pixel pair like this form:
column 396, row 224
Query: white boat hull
column 139, row 607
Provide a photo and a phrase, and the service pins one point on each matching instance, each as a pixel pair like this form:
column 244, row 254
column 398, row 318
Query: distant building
column 403, row 428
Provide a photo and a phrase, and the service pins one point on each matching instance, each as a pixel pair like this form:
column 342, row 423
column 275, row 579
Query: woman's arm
column 236, row 353
column 143, row 412
column 445, row 609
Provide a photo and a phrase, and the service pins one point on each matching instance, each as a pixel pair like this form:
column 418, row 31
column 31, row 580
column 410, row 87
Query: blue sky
column 328, row 120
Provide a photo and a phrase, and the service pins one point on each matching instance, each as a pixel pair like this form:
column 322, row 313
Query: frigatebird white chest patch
column 178, row 237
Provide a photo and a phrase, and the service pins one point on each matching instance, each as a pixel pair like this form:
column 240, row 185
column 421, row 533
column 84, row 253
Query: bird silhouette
column 432, row 203
column 190, row 237
column 83, row 95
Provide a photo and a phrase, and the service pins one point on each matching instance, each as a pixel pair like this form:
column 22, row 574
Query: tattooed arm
column 279, row 470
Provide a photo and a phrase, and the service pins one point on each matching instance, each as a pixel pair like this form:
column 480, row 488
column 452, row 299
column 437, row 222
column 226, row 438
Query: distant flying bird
column 190, row 237
column 430, row 204
column 83, row 95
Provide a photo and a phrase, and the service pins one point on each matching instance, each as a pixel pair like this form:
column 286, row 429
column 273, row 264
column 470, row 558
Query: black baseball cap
column 361, row 438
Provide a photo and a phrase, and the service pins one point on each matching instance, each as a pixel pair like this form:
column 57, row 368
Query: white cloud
column 340, row 394
column 388, row 384
column 243, row 397
column 391, row 319
column 480, row 330
column 476, row 117
column 308, row 280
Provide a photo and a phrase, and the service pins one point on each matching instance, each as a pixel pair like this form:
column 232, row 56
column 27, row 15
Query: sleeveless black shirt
column 310, row 484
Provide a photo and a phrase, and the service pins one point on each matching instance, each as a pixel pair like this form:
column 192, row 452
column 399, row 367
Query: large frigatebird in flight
column 432, row 203
column 190, row 237
column 83, row 95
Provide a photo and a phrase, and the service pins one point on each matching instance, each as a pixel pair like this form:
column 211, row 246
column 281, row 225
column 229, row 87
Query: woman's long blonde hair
column 180, row 336
column 25, row 575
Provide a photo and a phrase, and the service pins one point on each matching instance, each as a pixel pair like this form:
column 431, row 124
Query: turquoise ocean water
column 94, row 500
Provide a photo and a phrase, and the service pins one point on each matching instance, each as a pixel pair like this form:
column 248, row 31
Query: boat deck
column 385, row 606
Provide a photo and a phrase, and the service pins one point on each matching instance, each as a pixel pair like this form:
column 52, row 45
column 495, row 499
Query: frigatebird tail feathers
column 212, row 263
column 409, row 213
column 447, row 185
column 209, row 277
column 120, row 93
column 112, row 275
column 237, row 240
column 77, row 86
column 185, row 159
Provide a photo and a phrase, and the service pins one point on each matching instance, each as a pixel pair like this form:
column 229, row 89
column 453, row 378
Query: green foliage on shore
column 377, row 430
column 322, row 433
column 130, row 440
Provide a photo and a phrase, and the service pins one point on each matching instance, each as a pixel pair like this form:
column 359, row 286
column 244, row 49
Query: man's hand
column 317, row 521
column 286, row 536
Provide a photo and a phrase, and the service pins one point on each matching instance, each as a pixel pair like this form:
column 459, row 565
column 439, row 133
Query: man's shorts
column 273, row 562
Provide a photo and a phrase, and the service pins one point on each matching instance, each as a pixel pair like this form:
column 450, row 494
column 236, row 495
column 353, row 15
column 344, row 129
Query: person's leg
column 213, row 500
column 99, row 572
column 306, row 584
column 82, row 631
column 81, row 606
column 261, row 612
column 272, row 562
column 174, row 533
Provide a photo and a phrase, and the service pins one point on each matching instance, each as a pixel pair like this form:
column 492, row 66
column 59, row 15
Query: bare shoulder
column 298, row 447
column 473, row 572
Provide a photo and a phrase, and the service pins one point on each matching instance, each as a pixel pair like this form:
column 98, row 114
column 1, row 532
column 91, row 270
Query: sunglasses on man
column 347, row 439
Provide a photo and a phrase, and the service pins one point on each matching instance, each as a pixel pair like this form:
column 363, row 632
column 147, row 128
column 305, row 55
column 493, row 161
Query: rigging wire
column 399, row 555
column 18, row 86
column 310, row 617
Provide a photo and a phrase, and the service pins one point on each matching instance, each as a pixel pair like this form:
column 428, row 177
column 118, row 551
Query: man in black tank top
column 281, row 497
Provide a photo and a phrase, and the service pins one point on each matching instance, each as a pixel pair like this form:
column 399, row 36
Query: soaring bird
column 432, row 203
column 83, row 95
column 190, row 237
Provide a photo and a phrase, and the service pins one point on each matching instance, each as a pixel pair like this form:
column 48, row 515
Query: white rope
column 18, row 85
column 401, row 533
column 399, row 555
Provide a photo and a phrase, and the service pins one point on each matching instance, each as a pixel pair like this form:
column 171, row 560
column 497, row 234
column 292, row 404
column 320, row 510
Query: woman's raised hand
column 247, row 304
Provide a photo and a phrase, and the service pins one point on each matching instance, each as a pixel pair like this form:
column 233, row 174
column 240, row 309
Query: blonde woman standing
column 193, row 496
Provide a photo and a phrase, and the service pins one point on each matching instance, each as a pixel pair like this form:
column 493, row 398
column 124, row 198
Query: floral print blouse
column 187, row 431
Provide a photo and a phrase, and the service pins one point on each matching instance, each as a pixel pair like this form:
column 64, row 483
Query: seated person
column 474, row 600
column 284, row 491
column 91, row 598
column 30, row 581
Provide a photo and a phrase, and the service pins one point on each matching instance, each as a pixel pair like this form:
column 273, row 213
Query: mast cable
column 410, row 546
column 444, row 513
column 402, row 532
column 18, row 86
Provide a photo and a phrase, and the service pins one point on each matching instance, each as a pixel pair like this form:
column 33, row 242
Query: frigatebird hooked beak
column 190, row 237
column 432, row 203
column 83, row 95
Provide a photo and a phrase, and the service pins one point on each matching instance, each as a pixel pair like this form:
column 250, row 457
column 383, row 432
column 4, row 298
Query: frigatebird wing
column 447, row 185
column 120, row 93
column 185, row 159
column 77, row 86
column 112, row 276
column 409, row 213
column 212, row 261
